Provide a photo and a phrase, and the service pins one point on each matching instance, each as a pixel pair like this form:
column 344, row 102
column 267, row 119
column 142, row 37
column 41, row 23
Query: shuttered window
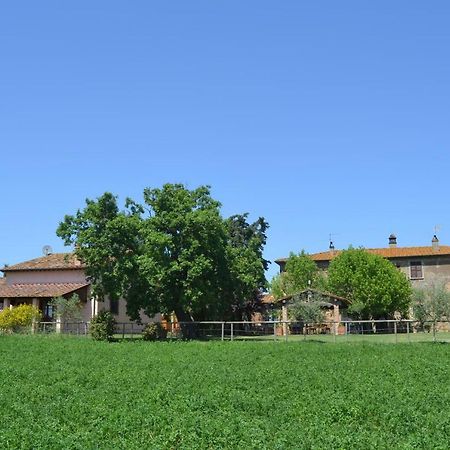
column 416, row 271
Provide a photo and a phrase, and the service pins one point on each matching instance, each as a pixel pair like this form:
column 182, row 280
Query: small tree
column 431, row 303
column 300, row 272
column 103, row 326
column 67, row 309
column 309, row 311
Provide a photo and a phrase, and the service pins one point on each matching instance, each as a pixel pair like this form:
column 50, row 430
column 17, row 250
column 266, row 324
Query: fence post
column 123, row 330
column 274, row 331
column 223, row 331
column 85, row 328
column 132, row 332
column 407, row 331
column 434, row 331
column 58, row 324
column 346, row 331
column 287, row 331
column 395, row 331
column 335, row 330
column 231, row 331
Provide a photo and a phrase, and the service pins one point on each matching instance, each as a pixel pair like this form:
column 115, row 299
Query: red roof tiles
column 389, row 253
column 55, row 261
column 38, row 289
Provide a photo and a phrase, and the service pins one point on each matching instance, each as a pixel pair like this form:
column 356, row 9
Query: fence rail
column 385, row 331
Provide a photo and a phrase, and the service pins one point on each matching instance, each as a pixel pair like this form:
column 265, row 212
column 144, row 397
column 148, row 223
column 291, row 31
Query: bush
column 154, row 332
column 19, row 317
column 103, row 326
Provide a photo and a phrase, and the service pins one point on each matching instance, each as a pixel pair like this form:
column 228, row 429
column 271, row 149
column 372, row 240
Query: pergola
column 327, row 301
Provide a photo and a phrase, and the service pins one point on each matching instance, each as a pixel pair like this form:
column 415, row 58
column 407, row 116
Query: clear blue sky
column 322, row 116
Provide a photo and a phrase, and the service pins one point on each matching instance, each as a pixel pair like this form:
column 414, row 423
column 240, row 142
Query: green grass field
column 62, row 392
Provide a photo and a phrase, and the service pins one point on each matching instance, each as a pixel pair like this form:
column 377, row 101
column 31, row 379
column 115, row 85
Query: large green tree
column 175, row 252
column 376, row 288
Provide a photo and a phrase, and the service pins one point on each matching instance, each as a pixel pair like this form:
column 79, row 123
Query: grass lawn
column 68, row 392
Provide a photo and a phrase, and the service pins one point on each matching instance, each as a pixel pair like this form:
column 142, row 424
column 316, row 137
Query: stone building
column 420, row 264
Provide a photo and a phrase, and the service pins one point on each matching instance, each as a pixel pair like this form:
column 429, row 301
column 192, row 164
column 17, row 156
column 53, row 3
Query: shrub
column 154, row 332
column 103, row 326
column 19, row 317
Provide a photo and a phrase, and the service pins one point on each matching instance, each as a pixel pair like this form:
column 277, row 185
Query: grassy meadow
column 74, row 393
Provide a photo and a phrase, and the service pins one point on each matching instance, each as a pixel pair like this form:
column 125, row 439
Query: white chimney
column 392, row 241
column 435, row 243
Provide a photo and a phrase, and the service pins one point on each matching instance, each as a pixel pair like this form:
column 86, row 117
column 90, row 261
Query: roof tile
column 389, row 253
column 38, row 289
column 55, row 261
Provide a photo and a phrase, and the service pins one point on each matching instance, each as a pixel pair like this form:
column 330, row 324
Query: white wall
column 46, row 276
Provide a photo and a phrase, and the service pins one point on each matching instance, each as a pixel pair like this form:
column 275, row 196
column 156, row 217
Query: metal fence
column 382, row 331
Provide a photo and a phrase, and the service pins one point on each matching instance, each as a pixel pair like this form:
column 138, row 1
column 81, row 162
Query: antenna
column 437, row 228
column 330, row 240
column 47, row 250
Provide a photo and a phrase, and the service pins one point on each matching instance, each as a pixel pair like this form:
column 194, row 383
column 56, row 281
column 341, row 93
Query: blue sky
column 323, row 117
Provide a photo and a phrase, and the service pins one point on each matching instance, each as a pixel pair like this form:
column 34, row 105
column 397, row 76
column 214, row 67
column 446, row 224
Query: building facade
column 421, row 265
column 40, row 280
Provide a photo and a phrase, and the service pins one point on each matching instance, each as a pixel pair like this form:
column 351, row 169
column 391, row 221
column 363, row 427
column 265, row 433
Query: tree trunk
column 188, row 328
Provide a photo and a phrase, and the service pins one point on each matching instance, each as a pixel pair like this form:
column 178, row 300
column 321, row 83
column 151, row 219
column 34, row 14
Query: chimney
column 331, row 246
column 392, row 241
column 435, row 244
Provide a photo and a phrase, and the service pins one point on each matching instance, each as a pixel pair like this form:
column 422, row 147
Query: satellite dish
column 47, row 250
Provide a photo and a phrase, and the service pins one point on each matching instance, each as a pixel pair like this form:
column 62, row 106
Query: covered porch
column 40, row 295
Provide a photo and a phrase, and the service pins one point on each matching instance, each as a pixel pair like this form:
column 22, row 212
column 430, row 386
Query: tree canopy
column 175, row 252
column 374, row 285
column 431, row 303
column 300, row 272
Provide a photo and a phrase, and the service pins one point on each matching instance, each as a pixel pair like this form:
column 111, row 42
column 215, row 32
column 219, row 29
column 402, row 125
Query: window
column 48, row 311
column 114, row 306
column 416, row 272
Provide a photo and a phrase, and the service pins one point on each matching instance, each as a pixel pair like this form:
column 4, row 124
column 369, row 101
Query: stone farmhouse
column 420, row 264
column 39, row 280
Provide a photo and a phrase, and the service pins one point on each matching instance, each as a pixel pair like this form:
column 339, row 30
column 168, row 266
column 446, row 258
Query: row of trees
column 172, row 253
column 373, row 285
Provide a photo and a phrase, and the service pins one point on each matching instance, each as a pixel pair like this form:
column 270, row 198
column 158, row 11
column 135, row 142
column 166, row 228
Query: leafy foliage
column 309, row 311
column 68, row 309
column 373, row 284
column 154, row 332
column 174, row 253
column 18, row 317
column 300, row 272
column 102, row 326
column 431, row 303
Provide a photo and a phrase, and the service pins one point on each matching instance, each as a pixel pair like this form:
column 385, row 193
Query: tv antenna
column 437, row 228
column 330, row 240
column 47, row 250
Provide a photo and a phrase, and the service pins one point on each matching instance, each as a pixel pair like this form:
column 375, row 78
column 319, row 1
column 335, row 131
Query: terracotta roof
column 267, row 299
column 38, row 289
column 389, row 253
column 55, row 261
